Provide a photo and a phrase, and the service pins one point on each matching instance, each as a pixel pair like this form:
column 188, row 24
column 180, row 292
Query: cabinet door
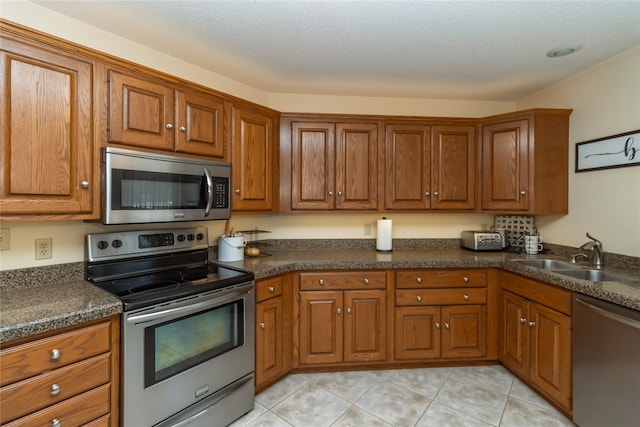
column 465, row 331
column 253, row 154
column 551, row 353
column 407, row 166
column 356, row 166
column 365, row 325
column 505, row 165
column 199, row 123
column 312, row 166
column 417, row 333
column 269, row 340
column 141, row 112
column 321, row 327
column 453, row 167
column 514, row 334
column 46, row 145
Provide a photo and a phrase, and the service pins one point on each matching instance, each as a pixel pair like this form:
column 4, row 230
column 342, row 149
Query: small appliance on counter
column 482, row 240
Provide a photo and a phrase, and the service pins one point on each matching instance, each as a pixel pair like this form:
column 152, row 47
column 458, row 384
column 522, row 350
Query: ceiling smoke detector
column 562, row 51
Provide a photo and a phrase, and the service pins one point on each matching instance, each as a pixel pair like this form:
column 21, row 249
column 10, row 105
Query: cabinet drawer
column 268, row 288
column 35, row 393
column 440, row 278
column 343, row 280
column 26, row 360
column 456, row 296
column 72, row 412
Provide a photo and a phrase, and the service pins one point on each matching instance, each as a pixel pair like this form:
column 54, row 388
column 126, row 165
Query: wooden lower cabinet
column 535, row 339
column 67, row 379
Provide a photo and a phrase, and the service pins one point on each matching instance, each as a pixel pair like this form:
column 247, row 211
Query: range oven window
column 180, row 344
column 156, row 190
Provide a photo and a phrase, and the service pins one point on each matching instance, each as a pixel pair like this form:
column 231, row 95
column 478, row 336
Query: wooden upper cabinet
column 150, row 113
column 356, row 166
column 47, row 161
column 253, row 154
column 525, row 162
column 453, row 167
column 407, row 158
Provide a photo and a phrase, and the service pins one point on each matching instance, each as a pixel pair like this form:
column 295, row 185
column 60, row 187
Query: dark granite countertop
column 29, row 310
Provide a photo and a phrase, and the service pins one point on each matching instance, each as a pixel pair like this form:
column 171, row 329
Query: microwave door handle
column 209, row 179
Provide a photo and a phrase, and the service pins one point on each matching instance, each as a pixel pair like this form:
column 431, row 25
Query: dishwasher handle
column 613, row 316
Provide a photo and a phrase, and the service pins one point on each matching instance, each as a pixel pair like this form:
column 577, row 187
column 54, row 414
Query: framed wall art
column 613, row 151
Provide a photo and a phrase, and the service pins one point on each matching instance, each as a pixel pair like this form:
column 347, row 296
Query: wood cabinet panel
column 200, row 119
column 334, row 280
column 365, row 324
column 356, row 166
column 434, row 278
column 253, row 161
column 461, row 296
column 407, row 159
column 551, row 296
column 454, row 167
column 268, row 288
column 269, row 340
column 321, row 327
column 465, row 331
column 47, row 157
column 416, row 334
column 514, row 345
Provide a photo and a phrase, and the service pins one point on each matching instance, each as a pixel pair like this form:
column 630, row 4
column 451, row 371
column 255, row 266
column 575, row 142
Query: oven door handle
column 209, row 179
column 228, row 296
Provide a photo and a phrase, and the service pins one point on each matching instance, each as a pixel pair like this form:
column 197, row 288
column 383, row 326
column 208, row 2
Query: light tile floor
column 439, row 397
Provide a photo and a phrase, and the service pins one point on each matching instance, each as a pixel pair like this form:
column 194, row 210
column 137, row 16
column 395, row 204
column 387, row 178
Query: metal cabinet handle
column 55, row 354
column 348, row 310
column 55, row 389
column 419, row 280
column 426, row 193
column 237, row 191
column 435, row 193
column 182, row 129
column 339, row 310
column 446, row 325
column 522, row 193
column 56, row 423
column 169, row 126
column 84, row 184
column 437, row 325
column 366, row 281
column 340, row 193
column 321, row 281
column 465, row 279
column 331, row 193
column 532, row 324
column 262, row 325
column 272, row 289
column 523, row 320
column 465, row 297
column 419, row 298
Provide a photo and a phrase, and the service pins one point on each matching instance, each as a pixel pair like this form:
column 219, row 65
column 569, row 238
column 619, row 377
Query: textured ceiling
column 483, row 50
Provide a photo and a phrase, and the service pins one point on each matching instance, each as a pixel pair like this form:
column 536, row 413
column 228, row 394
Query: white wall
column 605, row 101
column 68, row 237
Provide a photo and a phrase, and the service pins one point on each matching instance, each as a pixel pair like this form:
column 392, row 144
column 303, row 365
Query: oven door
column 143, row 187
column 188, row 352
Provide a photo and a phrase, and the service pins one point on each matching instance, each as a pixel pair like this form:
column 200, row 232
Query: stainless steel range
column 187, row 327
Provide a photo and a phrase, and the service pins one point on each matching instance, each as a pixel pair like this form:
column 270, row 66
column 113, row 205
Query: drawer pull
column 532, row 324
column 419, row 298
column 55, row 354
column 437, row 325
column 348, row 310
column 339, row 310
column 523, row 320
column 419, row 279
column 465, row 279
column 321, row 281
column 56, row 423
column 261, row 324
column 366, row 281
column 446, row 325
column 465, row 297
column 55, row 389
column 272, row 289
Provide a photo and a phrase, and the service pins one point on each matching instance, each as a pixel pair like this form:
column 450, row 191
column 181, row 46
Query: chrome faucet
column 596, row 246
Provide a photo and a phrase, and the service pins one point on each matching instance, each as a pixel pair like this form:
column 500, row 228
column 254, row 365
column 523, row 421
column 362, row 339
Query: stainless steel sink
column 547, row 264
column 593, row 275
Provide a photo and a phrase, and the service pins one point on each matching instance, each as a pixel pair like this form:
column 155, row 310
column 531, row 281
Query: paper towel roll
column 383, row 235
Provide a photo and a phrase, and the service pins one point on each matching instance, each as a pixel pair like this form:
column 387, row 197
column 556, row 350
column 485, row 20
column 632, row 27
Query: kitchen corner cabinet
column 334, row 166
column 49, row 170
column 430, row 167
column 270, row 330
column 524, row 158
column 151, row 113
column 70, row 378
column 535, row 335
column 342, row 317
column 440, row 314
column 253, row 158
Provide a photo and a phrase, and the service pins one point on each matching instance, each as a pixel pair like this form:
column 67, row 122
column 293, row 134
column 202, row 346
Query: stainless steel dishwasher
column 606, row 364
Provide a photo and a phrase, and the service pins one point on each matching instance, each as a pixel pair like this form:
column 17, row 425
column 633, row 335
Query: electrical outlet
column 5, row 239
column 367, row 229
column 44, row 248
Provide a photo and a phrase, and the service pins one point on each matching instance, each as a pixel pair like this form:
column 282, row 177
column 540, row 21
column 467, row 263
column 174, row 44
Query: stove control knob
column 199, row 236
column 190, row 237
column 103, row 244
column 116, row 243
column 180, row 237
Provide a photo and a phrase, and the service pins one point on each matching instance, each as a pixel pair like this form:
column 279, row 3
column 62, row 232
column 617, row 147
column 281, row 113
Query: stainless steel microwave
column 140, row 187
